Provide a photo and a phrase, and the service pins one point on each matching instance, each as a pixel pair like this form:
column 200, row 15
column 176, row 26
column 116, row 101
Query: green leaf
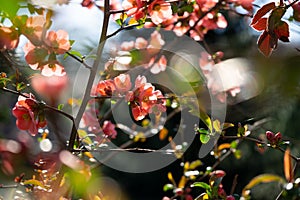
column 203, row 131
column 237, row 154
column 234, row 144
column 119, row 22
column 206, row 119
column 201, row 184
column 21, row 86
column 60, row 106
column 10, row 7
column 71, row 42
column 188, row 8
column 204, row 138
column 74, row 53
column 83, row 135
column 168, row 187
column 217, row 126
column 263, row 178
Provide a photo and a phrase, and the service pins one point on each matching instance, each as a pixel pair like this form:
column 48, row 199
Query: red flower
column 28, row 115
column 109, row 129
column 144, row 99
column 106, row 87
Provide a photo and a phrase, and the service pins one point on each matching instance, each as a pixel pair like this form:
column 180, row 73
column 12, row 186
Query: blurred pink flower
column 9, row 38
column 49, row 87
column 159, row 66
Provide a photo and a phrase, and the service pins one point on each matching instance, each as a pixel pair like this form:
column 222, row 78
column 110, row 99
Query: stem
column 79, row 60
column 93, row 72
column 122, row 28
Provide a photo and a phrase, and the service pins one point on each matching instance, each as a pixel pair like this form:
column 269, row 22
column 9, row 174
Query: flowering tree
column 136, row 89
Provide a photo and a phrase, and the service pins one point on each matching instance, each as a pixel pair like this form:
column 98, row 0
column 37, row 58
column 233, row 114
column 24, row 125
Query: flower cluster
column 29, row 116
column 43, row 46
column 159, row 11
column 144, row 99
column 141, row 52
column 195, row 18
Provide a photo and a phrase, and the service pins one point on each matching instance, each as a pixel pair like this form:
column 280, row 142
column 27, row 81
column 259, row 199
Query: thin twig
column 79, row 60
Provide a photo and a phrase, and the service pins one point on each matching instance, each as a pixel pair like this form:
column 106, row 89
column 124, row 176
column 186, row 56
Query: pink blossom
column 140, row 43
column 122, row 83
column 159, row 66
column 58, row 41
column 127, row 46
column 109, row 130
column 52, row 68
column 156, row 43
column 159, row 11
column 132, row 6
column 49, row 87
column 34, row 29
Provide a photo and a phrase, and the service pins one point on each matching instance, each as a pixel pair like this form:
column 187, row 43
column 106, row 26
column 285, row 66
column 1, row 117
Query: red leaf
column 275, row 18
column 262, row 11
column 261, row 24
column 264, row 43
column 282, row 31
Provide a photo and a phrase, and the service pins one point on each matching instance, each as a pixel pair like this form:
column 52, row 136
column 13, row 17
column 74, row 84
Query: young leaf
column 263, row 43
column 34, row 182
column 60, row 106
column 282, row 31
column 261, row 25
column 83, row 135
column 288, row 169
column 168, row 187
column 206, row 119
column 262, row 11
column 263, row 178
column 201, row 184
column 204, row 138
